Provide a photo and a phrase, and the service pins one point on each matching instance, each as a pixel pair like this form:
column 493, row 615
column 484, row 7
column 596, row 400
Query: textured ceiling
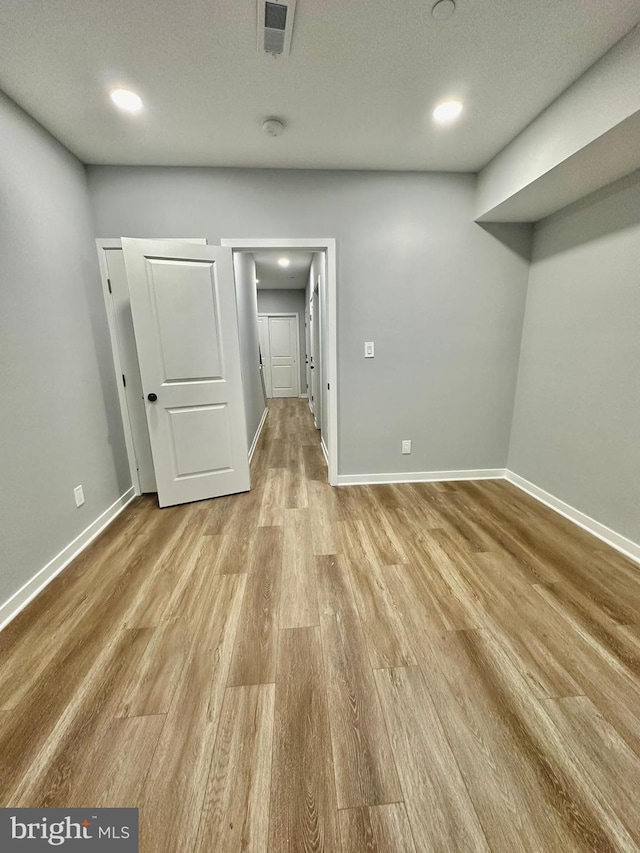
column 356, row 92
column 271, row 276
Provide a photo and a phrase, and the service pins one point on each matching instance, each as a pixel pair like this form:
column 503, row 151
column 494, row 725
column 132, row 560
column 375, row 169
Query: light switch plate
column 368, row 349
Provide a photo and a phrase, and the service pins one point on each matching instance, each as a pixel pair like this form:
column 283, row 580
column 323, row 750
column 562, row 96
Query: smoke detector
column 273, row 127
column 275, row 26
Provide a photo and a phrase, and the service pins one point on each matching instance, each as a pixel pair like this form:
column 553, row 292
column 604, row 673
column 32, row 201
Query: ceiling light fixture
column 284, row 262
column 126, row 100
column 447, row 111
column 443, row 10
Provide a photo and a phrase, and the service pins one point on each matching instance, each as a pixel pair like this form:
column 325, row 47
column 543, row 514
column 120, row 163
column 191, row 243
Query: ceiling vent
column 275, row 25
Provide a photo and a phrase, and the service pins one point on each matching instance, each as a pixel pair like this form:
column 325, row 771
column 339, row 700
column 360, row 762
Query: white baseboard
column 626, row 546
column 616, row 540
column 303, row 397
column 420, row 477
column 324, row 450
column 254, row 443
column 19, row 600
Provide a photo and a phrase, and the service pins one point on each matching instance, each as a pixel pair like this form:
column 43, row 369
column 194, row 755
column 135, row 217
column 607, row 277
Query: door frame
column 328, row 245
column 295, row 314
column 102, row 245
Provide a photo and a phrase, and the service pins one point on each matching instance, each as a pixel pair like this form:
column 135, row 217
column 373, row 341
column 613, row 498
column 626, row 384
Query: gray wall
column 244, row 267
column 576, row 426
column 59, row 410
column 442, row 297
column 576, row 422
column 285, row 302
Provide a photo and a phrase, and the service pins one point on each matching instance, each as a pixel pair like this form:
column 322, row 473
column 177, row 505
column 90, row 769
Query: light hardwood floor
column 432, row 667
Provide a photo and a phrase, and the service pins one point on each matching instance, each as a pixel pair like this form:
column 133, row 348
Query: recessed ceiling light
column 284, row 262
column 126, row 100
column 257, row 281
column 447, row 111
column 443, row 10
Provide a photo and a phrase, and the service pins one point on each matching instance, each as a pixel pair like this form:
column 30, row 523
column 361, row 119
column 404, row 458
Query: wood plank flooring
column 389, row 669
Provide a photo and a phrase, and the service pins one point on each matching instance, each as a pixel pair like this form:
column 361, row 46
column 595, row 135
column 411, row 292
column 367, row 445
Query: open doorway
column 319, row 293
column 296, row 307
column 115, row 289
column 282, row 279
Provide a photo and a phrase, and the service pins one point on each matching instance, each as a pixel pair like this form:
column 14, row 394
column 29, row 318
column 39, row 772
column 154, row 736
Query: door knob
column 152, row 397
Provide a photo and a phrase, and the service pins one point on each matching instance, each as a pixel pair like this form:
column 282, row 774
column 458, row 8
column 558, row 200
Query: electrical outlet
column 78, row 493
column 406, row 446
column 368, row 349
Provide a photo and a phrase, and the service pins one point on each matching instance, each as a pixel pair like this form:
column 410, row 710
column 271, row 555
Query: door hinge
column 328, row 386
column 109, row 285
column 124, row 381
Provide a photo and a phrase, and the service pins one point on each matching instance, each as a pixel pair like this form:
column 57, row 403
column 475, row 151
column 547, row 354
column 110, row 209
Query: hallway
column 421, row 667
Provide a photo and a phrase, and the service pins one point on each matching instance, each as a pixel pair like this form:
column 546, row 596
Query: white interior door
column 313, row 334
column 307, row 343
column 119, row 289
column 283, row 345
column 317, row 359
column 184, row 315
column 265, row 352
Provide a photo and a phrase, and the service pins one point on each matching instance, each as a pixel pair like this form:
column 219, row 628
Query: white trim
column 102, row 245
column 302, row 397
column 616, row 540
column 332, row 334
column 420, row 477
column 19, row 600
column 324, row 450
column 254, row 443
column 296, row 314
column 328, row 244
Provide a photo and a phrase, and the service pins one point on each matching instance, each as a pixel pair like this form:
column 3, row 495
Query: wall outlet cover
column 78, row 493
column 406, row 446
